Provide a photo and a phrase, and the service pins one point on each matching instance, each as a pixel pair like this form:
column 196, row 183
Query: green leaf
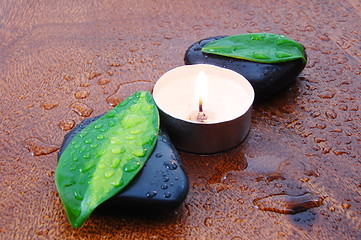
column 106, row 155
column 257, row 47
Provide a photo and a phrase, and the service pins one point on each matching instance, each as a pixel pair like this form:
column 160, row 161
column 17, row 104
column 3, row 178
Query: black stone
column 266, row 79
column 161, row 184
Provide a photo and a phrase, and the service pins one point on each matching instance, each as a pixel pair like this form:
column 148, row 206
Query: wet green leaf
column 257, row 47
column 106, row 155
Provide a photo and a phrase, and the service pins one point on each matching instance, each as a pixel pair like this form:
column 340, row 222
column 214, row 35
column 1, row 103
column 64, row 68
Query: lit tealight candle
column 205, row 109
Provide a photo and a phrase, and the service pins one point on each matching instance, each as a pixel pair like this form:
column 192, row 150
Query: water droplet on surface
column 49, row 105
column 339, row 152
column 68, row 77
column 78, row 195
column 93, row 75
column 75, row 212
column 151, row 194
column 331, row 114
column 281, row 54
column 259, row 55
column 81, row 94
column 81, row 109
column 288, row 204
column 108, row 174
column 118, row 184
column 167, row 36
column 159, row 155
column 139, row 153
column 83, row 133
column 37, row 147
column 121, row 93
column 167, row 195
column 117, row 150
column 170, row 165
column 66, row 125
column 131, row 166
column 346, row 205
column 103, row 81
column 327, row 94
column 87, row 166
column 100, row 137
column 164, row 186
column 208, row 222
column 98, row 125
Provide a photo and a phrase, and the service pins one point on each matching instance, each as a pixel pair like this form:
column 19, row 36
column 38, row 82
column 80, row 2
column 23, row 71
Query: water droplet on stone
column 164, row 186
column 37, row 147
column 82, row 109
column 167, row 195
column 151, row 194
column 159, row 155
column 170, row 165
column 288, row 204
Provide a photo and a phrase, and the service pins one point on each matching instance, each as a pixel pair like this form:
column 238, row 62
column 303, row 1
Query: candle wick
column 201, row 117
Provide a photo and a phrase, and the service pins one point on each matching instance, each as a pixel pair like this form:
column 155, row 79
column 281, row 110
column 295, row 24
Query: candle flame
column 201, row 94
column 201, row 87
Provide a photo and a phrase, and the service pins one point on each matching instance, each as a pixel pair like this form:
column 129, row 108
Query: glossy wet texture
column 61, row 61
column 267, row 79
column 288, row 204
column 161, row 185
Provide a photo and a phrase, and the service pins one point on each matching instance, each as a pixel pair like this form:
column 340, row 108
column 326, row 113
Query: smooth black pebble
column 161, row 184
column 266, row 79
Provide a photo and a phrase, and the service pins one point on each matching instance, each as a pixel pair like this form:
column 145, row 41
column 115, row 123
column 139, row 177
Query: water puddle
column 288, row 204
column 37, row 147
column 121, row 93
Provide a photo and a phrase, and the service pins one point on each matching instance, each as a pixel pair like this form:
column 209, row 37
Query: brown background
column 62, row 61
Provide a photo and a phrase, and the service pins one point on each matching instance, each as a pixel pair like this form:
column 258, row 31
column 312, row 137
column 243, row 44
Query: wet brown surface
column 63, row 61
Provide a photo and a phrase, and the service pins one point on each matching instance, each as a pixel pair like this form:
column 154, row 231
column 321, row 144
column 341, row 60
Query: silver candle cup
column 204, row 137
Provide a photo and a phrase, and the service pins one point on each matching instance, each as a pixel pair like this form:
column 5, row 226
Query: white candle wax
column 229, row 95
